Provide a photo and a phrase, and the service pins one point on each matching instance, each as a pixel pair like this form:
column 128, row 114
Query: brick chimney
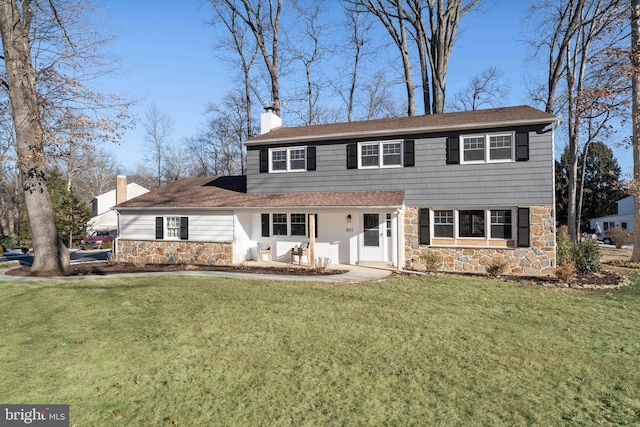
column 269, row 120
column 121, row 189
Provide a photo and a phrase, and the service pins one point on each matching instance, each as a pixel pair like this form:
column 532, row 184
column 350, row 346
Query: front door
column 372, row 248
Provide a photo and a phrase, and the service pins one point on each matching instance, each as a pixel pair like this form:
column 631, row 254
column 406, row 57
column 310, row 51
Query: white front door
column 372, row 241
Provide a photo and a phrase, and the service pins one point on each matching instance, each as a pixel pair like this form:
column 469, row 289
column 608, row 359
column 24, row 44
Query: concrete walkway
column 352, row 274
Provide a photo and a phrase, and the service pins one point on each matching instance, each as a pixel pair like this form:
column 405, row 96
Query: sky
column 167, row 58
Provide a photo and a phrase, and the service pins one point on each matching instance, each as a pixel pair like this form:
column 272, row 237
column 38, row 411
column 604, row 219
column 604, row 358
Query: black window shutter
column 523, row 228
column 184, row 228
column 423, row 222
column 264, row 160
column 159, row 228
column 409, row 153
column 265, row 225
column 522, row 146
column 453, row 150
column 311, row 158
column 352, row 156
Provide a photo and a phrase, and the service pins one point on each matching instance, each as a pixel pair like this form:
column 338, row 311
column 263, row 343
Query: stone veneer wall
column 539, row 259
column 178, row 252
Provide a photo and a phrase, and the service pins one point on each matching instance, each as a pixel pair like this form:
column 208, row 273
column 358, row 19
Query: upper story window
column 370, row 154
column 490, row 147
column 287, row 159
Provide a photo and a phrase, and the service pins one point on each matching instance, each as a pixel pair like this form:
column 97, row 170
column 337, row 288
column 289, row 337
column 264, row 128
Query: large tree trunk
column 635, row 61
column 51, row 256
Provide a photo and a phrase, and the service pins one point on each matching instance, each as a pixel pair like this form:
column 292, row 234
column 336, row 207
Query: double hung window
column 288, row 159
column 501, row 226
column 298, row 224
column 498, row 147
column 380, row 154
column 172, row 227
column 279, row 224
column 443, row 223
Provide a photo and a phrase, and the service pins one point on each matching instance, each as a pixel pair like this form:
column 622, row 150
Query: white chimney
column 121, row 189
column 269, row 121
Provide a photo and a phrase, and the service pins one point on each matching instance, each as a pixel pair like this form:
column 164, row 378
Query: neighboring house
column 474, row 187
column 102, row 216
column 623, row 219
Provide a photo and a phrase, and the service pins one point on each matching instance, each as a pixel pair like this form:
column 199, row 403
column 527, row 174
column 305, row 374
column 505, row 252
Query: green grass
column 408, row 351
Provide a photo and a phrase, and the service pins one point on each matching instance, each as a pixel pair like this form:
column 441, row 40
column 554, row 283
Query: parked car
column 97, row 238
column 604, row 238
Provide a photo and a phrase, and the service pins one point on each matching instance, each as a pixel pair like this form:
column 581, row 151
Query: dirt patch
column 102, row 269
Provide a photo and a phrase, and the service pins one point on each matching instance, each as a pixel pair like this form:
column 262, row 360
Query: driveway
column 75, row 255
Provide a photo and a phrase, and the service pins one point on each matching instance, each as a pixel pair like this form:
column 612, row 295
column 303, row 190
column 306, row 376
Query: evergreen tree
column 601, row 184
column 71, row 215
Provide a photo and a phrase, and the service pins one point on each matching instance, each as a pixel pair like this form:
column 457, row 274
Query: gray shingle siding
column 431, row 182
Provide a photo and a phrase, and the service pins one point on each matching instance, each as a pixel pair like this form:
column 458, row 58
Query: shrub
column 588, row 257
column 620, row 236
column 106, row 245
column 565, row 271
column 585, row 256
column 432, row 261
column 564, row 248
column 496, row 268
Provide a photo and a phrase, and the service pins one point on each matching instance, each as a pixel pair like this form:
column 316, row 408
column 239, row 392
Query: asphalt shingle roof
column 489, row 118
column 230, row 192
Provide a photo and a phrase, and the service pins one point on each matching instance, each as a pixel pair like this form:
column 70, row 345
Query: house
column 102, row 216
column 622, row 219
column 473, row 187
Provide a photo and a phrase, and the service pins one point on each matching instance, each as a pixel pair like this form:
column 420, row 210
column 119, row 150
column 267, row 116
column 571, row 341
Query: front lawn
column 195, row 351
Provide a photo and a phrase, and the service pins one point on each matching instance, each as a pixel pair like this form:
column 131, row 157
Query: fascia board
column 404, row 131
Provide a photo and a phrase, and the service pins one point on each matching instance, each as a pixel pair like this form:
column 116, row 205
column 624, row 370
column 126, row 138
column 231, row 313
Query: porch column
column 312, row 241
column 400, row 239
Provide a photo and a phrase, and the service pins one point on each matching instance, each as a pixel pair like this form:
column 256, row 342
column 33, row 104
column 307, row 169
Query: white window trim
column 487, row 148
column 381, row 154
column 167, row 235
column 487, row 218
column 289, row 224
column 288, row 160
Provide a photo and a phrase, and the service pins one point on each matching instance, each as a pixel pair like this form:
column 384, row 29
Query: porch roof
column 230, row 192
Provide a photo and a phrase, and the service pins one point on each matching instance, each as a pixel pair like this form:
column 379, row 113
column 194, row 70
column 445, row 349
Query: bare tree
column 434, row 26
column 262, row 17
column 175, row 164
column 97, row 176
column 486, row 89
column 442, row 28
column 51, row 255
column 577, row 37
column 217, row 149
column 308, row 51
column 158, row 127
column 378, row 98
column 244, row 51
column 635, row 120
column 359, row 28
column 392, row 16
